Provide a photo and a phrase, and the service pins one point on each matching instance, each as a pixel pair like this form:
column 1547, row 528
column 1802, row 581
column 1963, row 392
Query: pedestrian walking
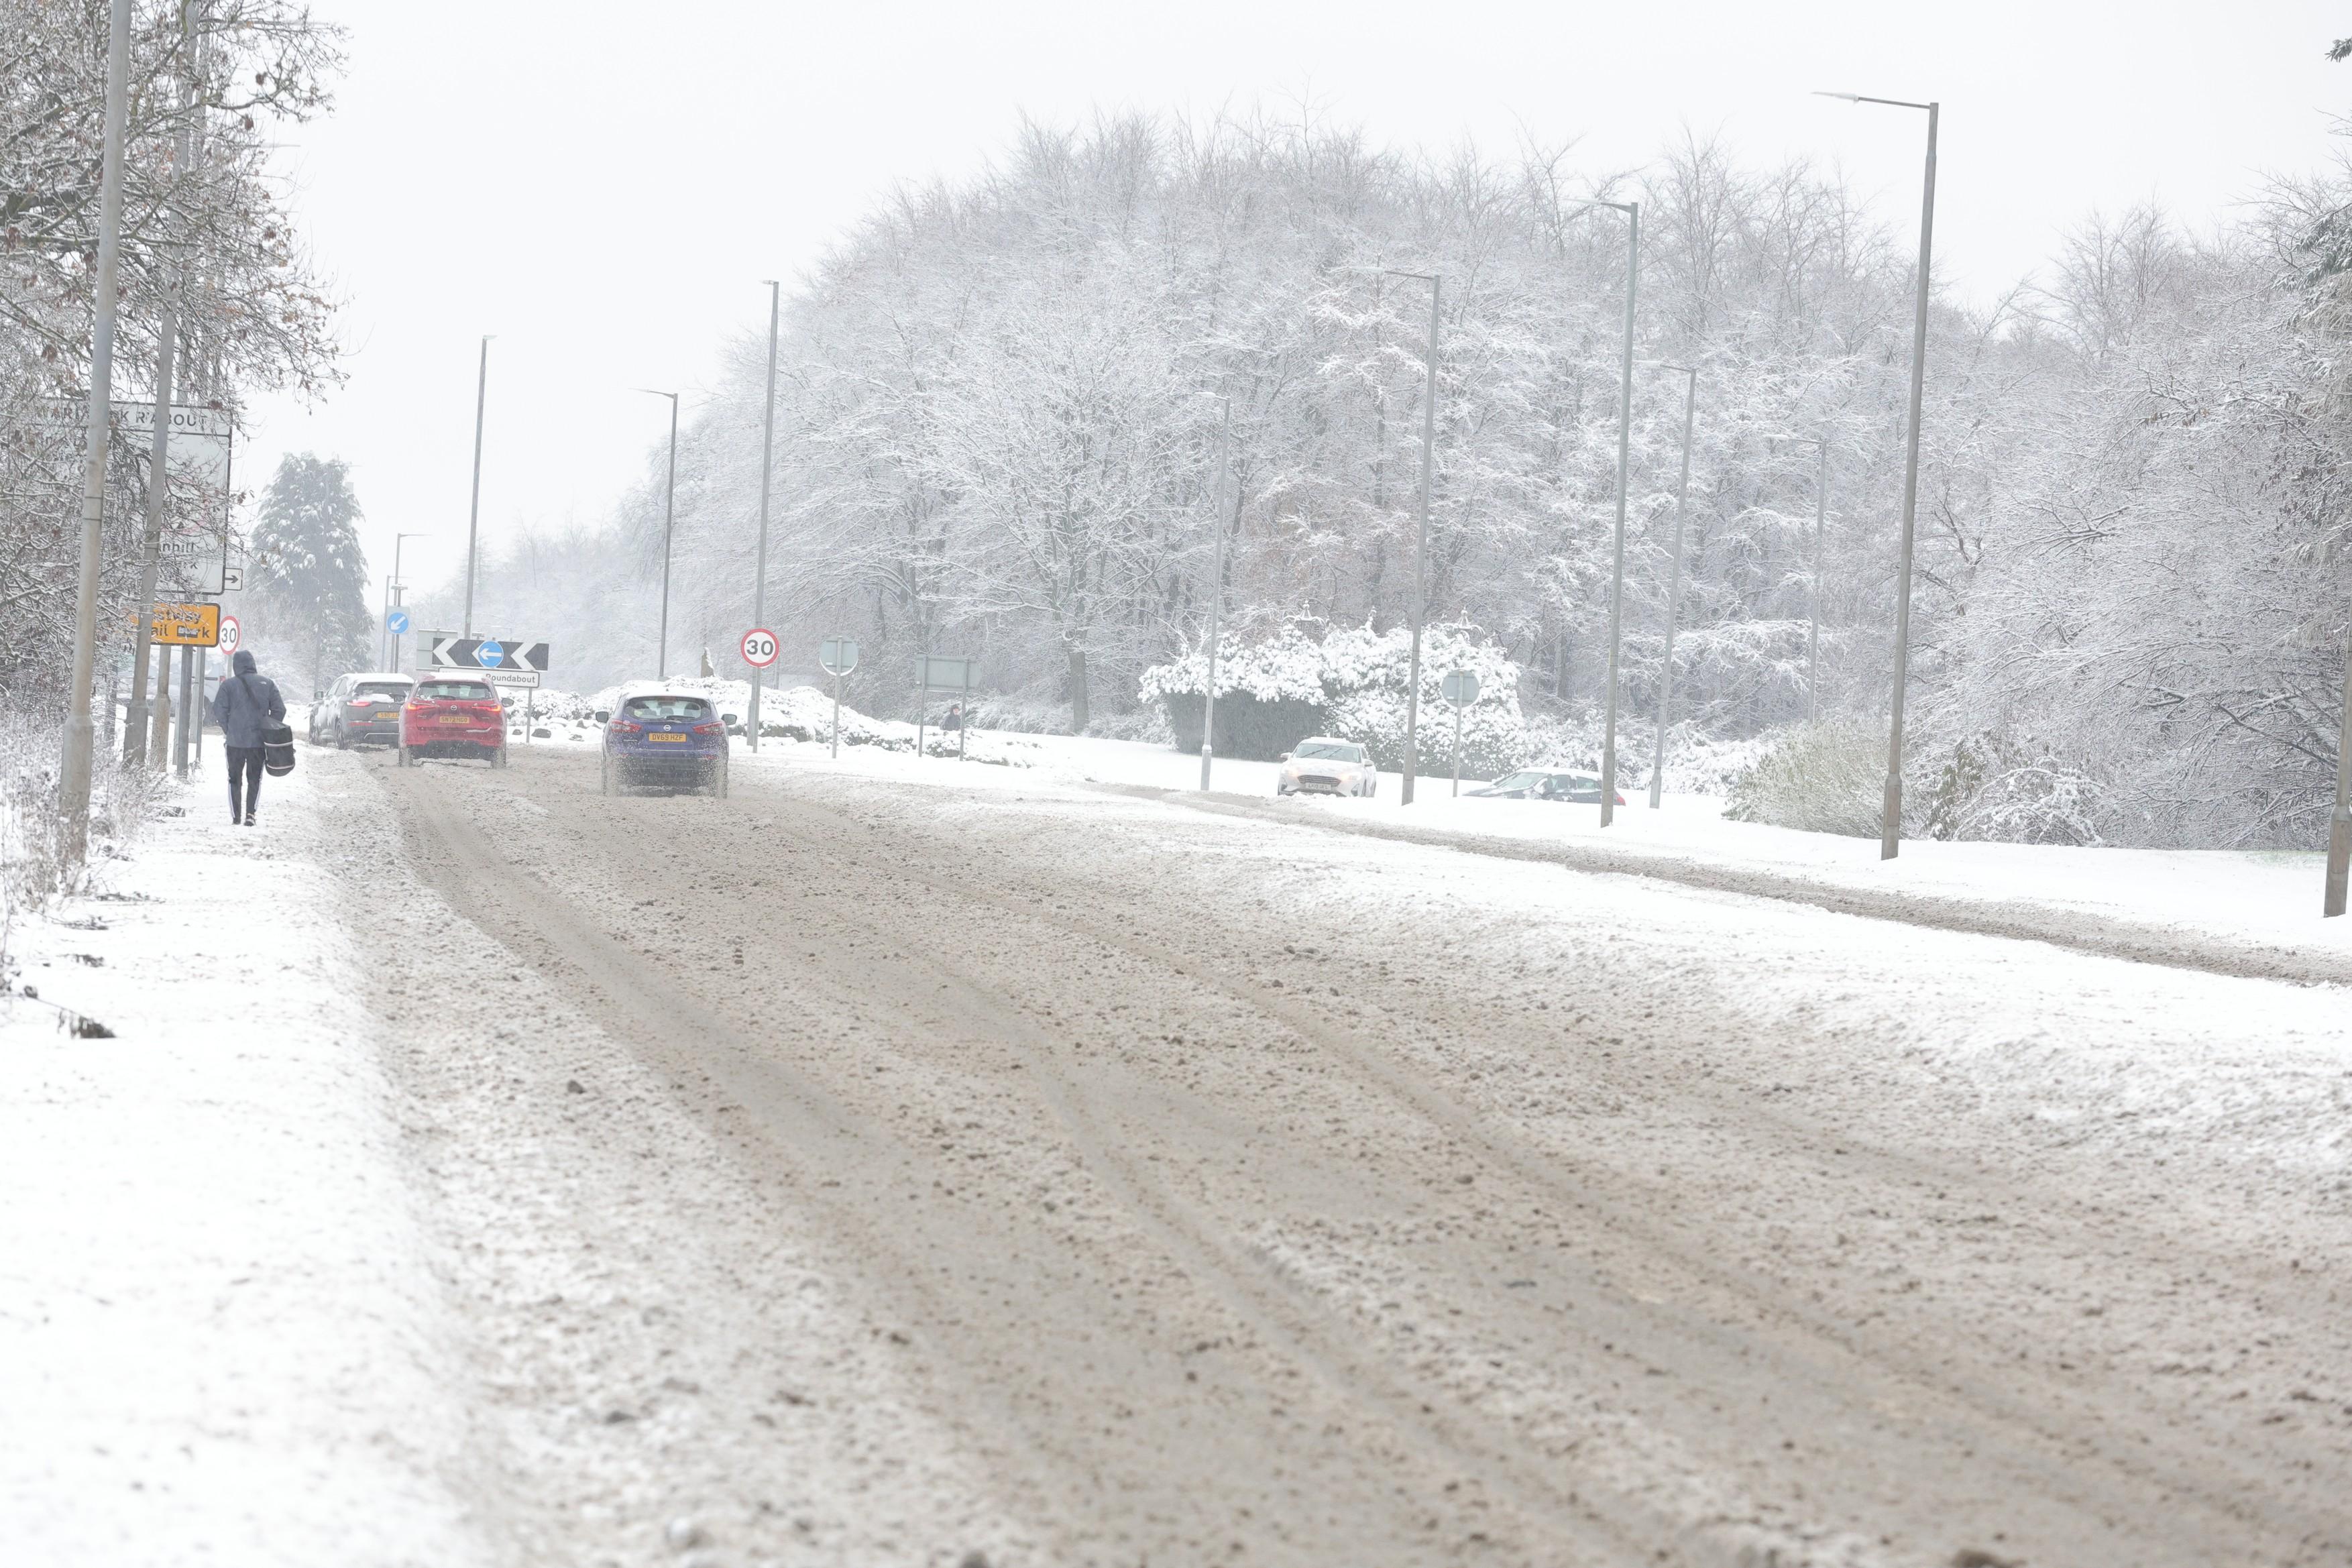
column 954, row 720
column 246, row 706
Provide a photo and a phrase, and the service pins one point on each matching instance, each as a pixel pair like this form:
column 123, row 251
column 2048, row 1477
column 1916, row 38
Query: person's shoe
column 248, row 819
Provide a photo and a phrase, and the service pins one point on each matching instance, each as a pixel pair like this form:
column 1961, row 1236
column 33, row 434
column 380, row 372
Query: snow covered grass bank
column 2265, row 900
column 219, row 1340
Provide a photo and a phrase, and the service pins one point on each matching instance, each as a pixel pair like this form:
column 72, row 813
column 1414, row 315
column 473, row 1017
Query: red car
column 453, row 716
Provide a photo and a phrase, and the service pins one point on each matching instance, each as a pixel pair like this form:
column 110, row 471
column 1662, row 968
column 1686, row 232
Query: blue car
column 668, row 739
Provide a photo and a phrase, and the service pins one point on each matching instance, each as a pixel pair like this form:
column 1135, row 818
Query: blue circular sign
column 490, row 655
column 396, row 621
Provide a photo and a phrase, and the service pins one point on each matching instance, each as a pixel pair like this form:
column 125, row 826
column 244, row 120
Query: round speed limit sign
column 231, row 634
column 759, row 648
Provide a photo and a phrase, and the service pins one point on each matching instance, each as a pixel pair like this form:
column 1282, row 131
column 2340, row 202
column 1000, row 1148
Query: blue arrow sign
column 395, row 622
column 490, row 655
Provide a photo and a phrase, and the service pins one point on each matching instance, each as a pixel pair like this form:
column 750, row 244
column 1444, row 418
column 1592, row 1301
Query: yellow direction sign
column 187, row 626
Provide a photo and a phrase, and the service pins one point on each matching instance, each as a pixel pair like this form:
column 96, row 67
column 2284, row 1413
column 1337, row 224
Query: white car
column 1321, row 765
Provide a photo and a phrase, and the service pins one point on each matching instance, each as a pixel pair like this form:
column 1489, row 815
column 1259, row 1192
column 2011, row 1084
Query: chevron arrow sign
column 446, row 650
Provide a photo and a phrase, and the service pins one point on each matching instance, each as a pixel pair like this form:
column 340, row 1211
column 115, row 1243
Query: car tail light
column 358, row 703
column 710, row 729
column 622, row 726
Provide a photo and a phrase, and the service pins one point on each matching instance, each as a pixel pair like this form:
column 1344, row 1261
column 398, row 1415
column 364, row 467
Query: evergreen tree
column 308, row 565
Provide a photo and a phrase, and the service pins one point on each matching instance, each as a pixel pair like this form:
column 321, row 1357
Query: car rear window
column 381, row 688
column 665, row 707
column 452, row 690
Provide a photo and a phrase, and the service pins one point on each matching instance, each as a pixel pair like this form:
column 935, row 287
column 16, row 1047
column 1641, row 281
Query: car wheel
column 719, row 779
column 342, row 737
column 604, row 773
column 498, row 756
column 402, row 747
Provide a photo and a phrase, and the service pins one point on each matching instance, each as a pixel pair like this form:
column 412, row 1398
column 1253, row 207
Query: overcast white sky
column 603, row 186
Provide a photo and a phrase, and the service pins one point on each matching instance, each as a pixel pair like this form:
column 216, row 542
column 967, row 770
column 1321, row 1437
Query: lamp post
column 474, row 509
column 767, row 465
column 670, row 516
column 1420, row 536
column 1674, row 595
column 81, row 735
column 1632, row 211
column 1216, row 589
column 1821, row 444
column 391, row 639
column 1890, row 831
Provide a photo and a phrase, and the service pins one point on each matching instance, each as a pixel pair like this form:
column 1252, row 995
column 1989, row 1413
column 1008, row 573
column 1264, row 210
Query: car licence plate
column 673, row 739
column 455, row 719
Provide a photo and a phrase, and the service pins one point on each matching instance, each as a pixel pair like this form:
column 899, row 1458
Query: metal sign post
column 1461, row 690
column 759, row 648
column 837, row 657
column 943, row 673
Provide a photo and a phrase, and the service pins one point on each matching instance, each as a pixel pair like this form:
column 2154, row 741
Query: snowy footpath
column 220, row 1340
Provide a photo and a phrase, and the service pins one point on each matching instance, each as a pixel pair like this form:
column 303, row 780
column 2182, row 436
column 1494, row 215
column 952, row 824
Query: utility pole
column 1813, row 625
column 474, row 510
column 136, row 732
column 2339, row 822
column 1632, row 211
column 1216, row 589
column 80, row 737
column 1420, row 537
column 669, row 517
column 1674, row 596
column 767, row 463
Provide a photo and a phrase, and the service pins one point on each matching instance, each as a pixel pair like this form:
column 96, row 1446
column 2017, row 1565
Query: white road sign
column 231, row 634
column 759, row 648
column 836, row 656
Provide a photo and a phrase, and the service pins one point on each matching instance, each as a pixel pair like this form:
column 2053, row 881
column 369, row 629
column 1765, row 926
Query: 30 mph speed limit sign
column 759, row 648
column 231, row 634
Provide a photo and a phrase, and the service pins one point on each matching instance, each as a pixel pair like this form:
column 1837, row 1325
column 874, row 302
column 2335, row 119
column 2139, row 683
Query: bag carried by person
column 277, row 740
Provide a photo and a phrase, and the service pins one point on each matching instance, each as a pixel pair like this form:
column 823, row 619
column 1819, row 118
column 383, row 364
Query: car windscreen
column 453, row 691
column 398, row 688
column 665, row 707
column 1330, row 751
column 1519, row 780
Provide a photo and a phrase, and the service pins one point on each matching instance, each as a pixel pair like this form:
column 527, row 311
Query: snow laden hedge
column 1349, row 682
column 1821, row 778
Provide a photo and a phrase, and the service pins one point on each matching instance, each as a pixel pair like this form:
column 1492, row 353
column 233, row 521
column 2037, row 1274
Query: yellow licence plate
column 673, row 739
column 455, row 719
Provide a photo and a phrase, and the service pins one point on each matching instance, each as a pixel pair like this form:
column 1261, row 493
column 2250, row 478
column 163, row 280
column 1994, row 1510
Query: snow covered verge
column 219, row 1339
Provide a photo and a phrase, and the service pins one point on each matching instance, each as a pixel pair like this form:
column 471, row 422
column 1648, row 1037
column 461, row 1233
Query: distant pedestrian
column 245, row 705
column 954, row 720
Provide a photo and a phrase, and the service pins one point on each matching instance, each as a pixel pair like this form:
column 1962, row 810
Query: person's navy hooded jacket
column 246, row 703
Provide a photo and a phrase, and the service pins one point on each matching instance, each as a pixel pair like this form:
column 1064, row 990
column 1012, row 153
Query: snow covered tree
column 307, row 562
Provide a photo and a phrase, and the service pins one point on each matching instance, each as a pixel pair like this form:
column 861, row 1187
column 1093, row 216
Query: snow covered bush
column 1995, row 787
column 1351, row 683
column 1821, row 778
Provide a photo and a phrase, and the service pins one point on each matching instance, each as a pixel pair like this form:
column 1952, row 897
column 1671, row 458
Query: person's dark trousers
column 243, row 782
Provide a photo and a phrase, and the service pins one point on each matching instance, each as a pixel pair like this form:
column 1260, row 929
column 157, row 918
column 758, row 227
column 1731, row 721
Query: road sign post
column 837, row 657
column 1461, row 690
column 759, row 648
column 943, row 672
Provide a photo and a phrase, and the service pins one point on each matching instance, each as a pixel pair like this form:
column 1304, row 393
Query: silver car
column 1321, row 765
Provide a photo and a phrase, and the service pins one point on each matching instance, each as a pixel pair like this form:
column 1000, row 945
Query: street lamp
column 1890, row 831
column 670, row 514
column 1420, row 537
column 474, row 510
column 1673, row 595
column 1632, row 211
column 1216, row 588
column 388, row 636
column 767, row 464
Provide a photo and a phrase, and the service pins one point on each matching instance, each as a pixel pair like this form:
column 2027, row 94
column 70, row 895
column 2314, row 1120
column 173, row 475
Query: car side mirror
column 1283, row 758
column 603, row 716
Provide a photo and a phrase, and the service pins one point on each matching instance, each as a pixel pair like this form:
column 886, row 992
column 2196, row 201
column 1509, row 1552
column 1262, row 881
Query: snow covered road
column 1135, row 1183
